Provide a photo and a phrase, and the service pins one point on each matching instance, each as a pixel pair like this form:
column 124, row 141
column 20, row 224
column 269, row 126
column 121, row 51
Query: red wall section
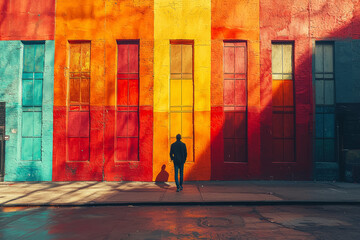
column 27, row 19
column 286, row 20
column 233, row 20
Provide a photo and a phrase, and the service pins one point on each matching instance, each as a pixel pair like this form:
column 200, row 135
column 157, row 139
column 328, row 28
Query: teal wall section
column 347, row 101
column 347, row 71
column 11, row 66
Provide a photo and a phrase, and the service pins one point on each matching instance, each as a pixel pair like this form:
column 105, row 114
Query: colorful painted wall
column 182, row 104
column 24, row 122
column 235, row 120
column 258, row 89
column 24, row 26
column 27, row 19
column 88, row 97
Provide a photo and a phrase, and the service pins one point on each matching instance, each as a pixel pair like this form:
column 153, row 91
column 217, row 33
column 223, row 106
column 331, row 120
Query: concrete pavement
column 202, row 192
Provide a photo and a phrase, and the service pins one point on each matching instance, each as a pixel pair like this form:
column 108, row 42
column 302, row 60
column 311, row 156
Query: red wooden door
column 234, row 163
column 124, row 159
column 79, row 164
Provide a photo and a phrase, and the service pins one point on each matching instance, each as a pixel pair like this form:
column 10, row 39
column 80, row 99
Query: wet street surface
column 182, row 222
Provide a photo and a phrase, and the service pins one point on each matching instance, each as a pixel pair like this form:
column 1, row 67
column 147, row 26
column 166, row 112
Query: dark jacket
column 178, row 152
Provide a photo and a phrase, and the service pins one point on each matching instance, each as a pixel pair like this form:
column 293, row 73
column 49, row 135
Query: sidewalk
column 201, row 193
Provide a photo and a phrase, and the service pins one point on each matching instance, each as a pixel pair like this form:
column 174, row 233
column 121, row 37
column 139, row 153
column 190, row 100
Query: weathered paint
column 11, row 61
column 339, row 24
column 182, row 20
column 235, row 20
column 27, row 19
column 286, row 21
column 103, row 23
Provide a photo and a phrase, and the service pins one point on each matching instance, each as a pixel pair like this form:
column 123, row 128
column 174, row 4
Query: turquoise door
column 32, row 96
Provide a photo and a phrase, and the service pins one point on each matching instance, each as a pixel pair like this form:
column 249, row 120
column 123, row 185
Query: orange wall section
column 239, row 21
column 103, row 23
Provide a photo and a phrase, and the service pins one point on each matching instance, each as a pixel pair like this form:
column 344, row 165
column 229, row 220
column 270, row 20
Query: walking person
column 178, row 155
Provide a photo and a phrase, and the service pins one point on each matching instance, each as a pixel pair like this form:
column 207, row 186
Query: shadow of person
column 162, row 178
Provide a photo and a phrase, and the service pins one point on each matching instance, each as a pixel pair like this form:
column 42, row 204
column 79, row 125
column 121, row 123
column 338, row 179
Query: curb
column 234, row 203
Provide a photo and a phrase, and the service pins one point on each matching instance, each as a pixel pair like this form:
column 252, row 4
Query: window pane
column 74, row 124
column 229, row 60
column 240, row 150
column 133, row 124
column 28, row 124
column 278, row 93
column 133, row 149
column 229, row 92
column 187, row 59
column 75, row 57
column 74, row 90
column 37, row 124
column 278, row 125
column 85, row 91
column 85, row 57
column 39, row 57
column 276, row 62
column 328, row 58
column 29, row 55
column 288, row 93
column 187, row 93
column 287, row 58
column 329, row 92
column 36, row 149
column 319, row 92
column 38, row 92
column 240, row 64
column 84, row 124
column 175, row 92
column 122, row 92
column 175, row 58
column 133, row 58
column 319, row 150
column 229, row 150
column 229, row 125
column 289, row 125
column 122, row 124
column 27, row 92
column 319, row 61
column 133, row 92
column 240, row 90
column 319, row 127
column 329, row 125
column 27, row 149
column 121, row 149
column 122, row 58
column 240, row 124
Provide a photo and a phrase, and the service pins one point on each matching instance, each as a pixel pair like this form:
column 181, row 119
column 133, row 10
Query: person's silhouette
column 178, row 155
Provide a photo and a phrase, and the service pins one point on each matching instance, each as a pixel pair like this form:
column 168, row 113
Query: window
column 235, row 102
column 283, row 103
column 181, row 94
column 32, row 84
column 324, row 102
column 79, row 102
column 127, row 119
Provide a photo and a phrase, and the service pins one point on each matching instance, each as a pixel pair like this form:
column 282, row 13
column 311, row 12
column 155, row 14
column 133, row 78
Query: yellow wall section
column 180, row 20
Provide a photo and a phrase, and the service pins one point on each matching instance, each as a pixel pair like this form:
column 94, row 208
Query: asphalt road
column 182, row 222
